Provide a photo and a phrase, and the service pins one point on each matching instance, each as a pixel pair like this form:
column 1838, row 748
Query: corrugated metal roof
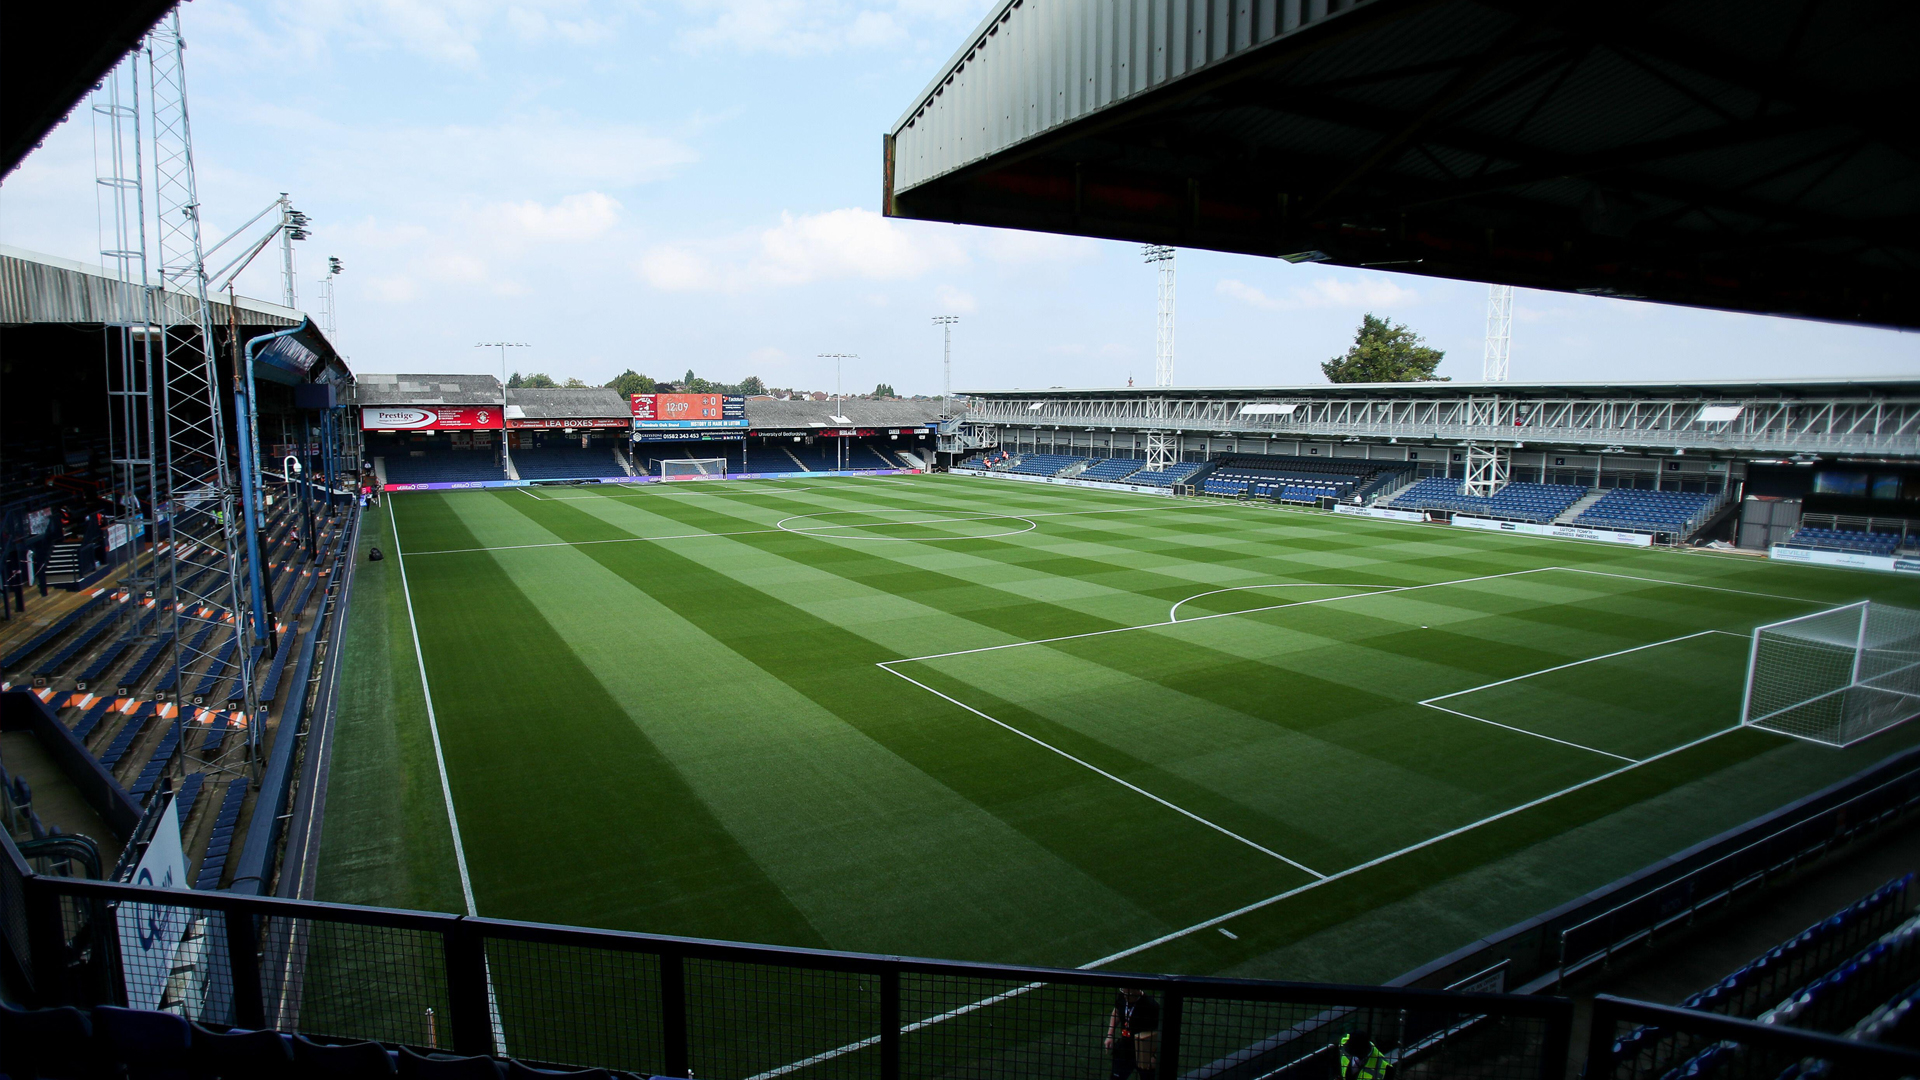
column 40, row 288
column 567, row 403
column 385, row 388
column 1715, row 389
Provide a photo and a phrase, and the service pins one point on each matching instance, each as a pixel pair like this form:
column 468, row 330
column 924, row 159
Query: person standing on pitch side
column 1133, row 1033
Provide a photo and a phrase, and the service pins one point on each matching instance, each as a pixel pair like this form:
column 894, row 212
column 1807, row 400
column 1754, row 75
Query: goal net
column 677, row 468
column 1835, row 677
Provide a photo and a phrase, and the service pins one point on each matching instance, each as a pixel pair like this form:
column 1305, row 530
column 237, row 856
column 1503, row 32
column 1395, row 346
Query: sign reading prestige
column 428, row 417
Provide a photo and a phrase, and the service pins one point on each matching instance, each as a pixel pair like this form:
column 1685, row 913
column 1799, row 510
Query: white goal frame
column 1834, row 677
column 715, row 467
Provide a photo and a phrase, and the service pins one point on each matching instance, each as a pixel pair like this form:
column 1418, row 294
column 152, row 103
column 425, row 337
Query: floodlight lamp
column 1307, row 256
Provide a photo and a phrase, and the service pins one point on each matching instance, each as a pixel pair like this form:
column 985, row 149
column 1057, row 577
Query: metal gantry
column 203, row 578
column 1161, row 445
column 1745, row 421
column 119, row 192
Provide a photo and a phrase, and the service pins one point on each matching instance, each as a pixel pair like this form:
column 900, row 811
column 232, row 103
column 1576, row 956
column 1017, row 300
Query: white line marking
column 1692, row 585
column 1388, row 590
column 1083, row 763
column 755, row 532
column 433, row 724
column 1409, row 849
column 1173, row 613
column 1217, row 920
column 1524, row 731
column 955, row 515
column 1575, row 663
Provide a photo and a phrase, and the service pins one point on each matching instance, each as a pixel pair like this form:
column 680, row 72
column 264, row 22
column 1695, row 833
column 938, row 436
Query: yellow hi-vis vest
column 1373, row 1068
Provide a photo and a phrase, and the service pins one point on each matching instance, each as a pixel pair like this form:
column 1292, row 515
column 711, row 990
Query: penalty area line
column 1091, row 767
column 1392, row 855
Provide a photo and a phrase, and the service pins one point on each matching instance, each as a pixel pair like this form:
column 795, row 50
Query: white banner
column 150, row 933
column 1564, row 532
column 1138, row 489
column 1380, row 512
column 1848, row 559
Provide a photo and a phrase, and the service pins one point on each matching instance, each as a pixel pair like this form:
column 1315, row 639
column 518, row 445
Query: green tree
column 538, row 380
column 1385, row 352
column 514, row 382
column 884, row 390
column 629, row 383
column 573, row 384
column 752, row 385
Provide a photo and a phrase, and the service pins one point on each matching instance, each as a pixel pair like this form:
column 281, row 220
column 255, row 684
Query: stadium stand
column 562, row 463
column 122, row 742
column 441, row 466
column 34, row 644
column 1113, row 469
column 1846, row 540
column 1178, row 473
column 214, row 863
column 1539, row 503
column 1045, row 464
column 162, row 753
column 1852, row 972
column 1661, row 511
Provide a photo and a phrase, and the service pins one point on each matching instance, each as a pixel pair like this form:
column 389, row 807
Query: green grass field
column 958, row 717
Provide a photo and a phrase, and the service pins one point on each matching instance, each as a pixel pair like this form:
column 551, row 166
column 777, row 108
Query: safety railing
column 1634, row 1040
column 725, row 1011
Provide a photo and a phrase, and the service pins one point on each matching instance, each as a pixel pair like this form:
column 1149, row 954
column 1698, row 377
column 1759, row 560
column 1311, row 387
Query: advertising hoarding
column 549, row 422
column 428, row 417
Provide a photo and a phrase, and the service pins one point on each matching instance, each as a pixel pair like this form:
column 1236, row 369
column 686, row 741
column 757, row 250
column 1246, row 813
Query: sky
column 695, row 184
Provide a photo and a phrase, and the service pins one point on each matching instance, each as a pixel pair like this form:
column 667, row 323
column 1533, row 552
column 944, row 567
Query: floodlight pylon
column 1499, row 346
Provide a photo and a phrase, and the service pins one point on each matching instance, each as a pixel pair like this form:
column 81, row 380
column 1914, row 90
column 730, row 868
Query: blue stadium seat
column 1538, row 503
column 1646, row 511
column 563, row 463
column 436, row 466
column 1113, row 469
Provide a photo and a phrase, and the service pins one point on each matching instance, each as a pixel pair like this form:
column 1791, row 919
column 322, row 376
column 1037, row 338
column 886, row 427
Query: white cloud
column 450, row 33
column 1324, row 292
column 833, row 245
column 1016, row 246
column 574, row 218
column 810, row 27
column 954, row 301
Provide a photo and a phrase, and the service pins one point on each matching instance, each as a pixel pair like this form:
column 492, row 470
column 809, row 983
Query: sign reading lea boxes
column 428, row 417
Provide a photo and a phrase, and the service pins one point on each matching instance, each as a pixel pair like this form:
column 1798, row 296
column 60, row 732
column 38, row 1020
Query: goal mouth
column 690, row 468
column 1835, row 677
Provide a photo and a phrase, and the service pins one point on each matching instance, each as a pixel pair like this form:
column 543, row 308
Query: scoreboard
column 689, row 411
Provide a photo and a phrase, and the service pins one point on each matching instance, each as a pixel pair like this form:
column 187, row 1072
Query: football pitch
column 959, row 717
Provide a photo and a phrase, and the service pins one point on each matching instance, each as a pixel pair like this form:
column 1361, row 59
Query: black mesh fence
column 718, row 1011
column 1636, row 1041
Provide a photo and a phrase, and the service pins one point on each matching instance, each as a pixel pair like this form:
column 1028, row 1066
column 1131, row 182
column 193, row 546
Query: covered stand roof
column 1702, row 389
column 798, row 415
column 1754, row 156
column 382, row 388
column 51, row 55
column 567, row 403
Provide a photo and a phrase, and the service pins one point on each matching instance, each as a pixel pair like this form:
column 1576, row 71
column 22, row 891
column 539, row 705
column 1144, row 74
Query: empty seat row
column 1113, row 469
column 1538, row 503
column 565, row 463
column 214, row 863
column 1628, row 508
column 1177, row 473
column 150, row 773
column 1045, row 464
column 38, row 641
column 123, row 741
column 1848, row 540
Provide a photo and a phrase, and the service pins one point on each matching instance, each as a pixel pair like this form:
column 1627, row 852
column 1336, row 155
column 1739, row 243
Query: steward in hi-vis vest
column 1360, row 1059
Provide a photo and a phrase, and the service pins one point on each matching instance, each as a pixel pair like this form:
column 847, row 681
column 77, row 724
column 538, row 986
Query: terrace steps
column 1579, row 507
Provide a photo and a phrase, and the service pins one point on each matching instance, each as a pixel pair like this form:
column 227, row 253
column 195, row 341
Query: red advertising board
column 428, row 417
column 597, row 422
column 678, row 406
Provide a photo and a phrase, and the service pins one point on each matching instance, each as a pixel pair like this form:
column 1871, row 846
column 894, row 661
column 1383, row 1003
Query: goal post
column 690, row 468
column 1837, row 676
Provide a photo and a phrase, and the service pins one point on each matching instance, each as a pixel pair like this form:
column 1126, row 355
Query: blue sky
column 696, row 183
